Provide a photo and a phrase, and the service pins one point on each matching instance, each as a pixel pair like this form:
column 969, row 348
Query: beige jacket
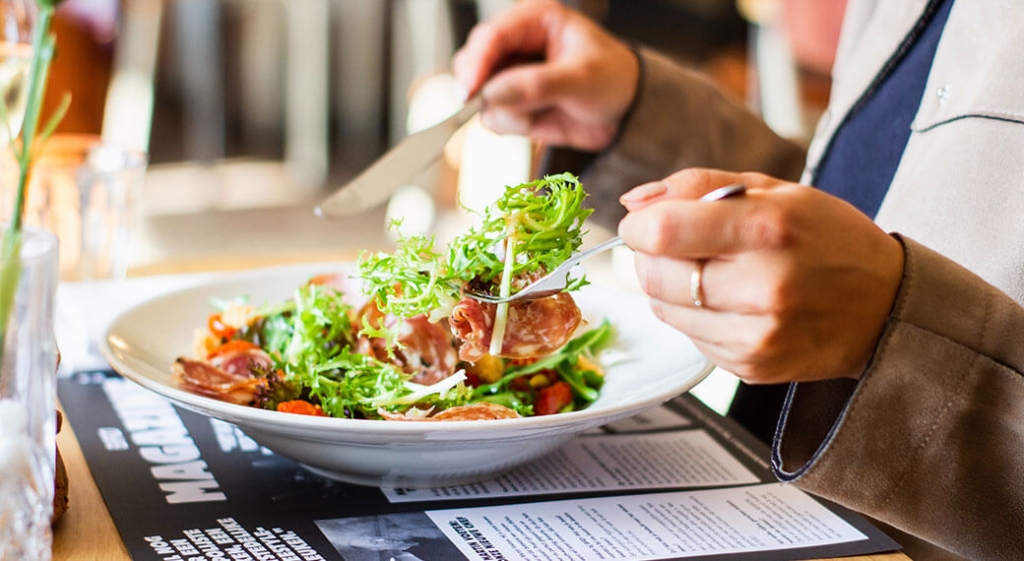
column 931, row 440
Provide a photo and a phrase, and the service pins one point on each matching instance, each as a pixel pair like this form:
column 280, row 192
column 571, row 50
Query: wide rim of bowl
column 285, row 423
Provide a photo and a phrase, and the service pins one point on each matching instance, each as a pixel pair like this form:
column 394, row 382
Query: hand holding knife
column 402, row 163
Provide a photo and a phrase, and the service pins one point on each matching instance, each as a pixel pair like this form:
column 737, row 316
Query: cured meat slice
column 244, row 362
column 534, row 328
column 203, row 378
column 425, row 349
column 483, row 411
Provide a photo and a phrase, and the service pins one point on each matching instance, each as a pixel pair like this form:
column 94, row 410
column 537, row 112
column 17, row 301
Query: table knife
column 396, row 168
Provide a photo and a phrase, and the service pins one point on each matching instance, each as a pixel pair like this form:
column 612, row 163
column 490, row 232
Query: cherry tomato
column 552, row 399
column 472, row 379
column 301, row 407
column 218, row 328
column 232, row 346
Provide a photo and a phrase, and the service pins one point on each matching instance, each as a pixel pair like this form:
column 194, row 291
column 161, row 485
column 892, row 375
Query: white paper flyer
column 766, row 517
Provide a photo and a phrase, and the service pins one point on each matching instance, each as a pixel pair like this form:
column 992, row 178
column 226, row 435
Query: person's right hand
column 575, row 96
column 794, row 284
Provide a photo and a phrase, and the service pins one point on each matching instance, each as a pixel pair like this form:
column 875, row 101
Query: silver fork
column 551, row 283
column 556, row 281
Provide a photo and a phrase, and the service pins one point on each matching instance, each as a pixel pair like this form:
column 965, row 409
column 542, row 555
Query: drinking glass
column 28, row 370
column 17, row 18
column 84, row 190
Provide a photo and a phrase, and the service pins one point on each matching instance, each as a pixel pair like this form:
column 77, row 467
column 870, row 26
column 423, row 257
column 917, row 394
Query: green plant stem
column 42, row 54
column 10, row 271
column 10, row 258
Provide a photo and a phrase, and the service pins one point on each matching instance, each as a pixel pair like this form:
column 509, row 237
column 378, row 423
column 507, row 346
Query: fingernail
column 644, row 192
column 461, row 92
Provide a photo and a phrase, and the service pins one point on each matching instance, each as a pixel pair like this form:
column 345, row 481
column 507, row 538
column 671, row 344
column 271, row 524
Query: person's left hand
column 797, row 284
column 575, row 91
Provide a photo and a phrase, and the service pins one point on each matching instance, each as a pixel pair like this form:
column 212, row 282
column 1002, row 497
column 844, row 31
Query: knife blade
column 397, row 167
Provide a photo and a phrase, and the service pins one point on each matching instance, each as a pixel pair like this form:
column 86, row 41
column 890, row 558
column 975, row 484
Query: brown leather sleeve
column 930, row 440
column 680, row 119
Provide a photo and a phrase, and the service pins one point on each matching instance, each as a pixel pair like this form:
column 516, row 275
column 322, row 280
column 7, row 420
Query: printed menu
column 677, row 482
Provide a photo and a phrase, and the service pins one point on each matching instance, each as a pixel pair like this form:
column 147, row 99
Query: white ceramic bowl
column 658, row 363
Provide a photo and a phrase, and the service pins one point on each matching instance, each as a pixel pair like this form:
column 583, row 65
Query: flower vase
column 28, row 366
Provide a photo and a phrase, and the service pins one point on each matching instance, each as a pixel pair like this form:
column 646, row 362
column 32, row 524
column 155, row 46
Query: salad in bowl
column 397, row 339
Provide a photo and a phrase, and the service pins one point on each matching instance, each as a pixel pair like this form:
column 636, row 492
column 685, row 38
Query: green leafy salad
column 399, row 341
column 532, row 228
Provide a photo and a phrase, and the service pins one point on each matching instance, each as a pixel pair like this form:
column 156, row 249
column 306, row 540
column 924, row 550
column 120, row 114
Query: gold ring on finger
column 697, row 284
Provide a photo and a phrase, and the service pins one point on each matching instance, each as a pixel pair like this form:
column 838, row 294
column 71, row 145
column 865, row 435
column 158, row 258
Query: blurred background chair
column 320, row 88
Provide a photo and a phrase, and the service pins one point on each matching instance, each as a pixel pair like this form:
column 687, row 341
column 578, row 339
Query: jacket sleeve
column 679, row 119
column 931, row 439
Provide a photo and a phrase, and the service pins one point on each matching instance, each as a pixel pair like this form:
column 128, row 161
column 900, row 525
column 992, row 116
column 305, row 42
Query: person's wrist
column 892, row 269
column 633, row 100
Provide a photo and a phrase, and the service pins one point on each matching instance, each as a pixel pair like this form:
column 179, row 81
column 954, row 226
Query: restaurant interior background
column 252, row 110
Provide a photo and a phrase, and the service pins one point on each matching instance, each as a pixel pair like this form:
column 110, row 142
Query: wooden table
column 86, row 532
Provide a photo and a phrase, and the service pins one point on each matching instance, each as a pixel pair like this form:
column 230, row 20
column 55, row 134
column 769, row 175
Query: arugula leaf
column 411, row 281
column 531, row 229
column 545, row 220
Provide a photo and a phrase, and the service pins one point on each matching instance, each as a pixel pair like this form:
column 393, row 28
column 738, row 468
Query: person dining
column 876, row 276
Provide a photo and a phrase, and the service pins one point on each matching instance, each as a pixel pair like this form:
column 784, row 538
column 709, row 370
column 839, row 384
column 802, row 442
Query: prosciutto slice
column 534, row 328
column 484, row 411
column 426, row 350
column 231, row 376
column 243, row 363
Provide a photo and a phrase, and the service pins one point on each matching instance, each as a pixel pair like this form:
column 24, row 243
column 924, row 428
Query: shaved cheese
column 501, row 312
column 498, row 332
column 440, row 388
